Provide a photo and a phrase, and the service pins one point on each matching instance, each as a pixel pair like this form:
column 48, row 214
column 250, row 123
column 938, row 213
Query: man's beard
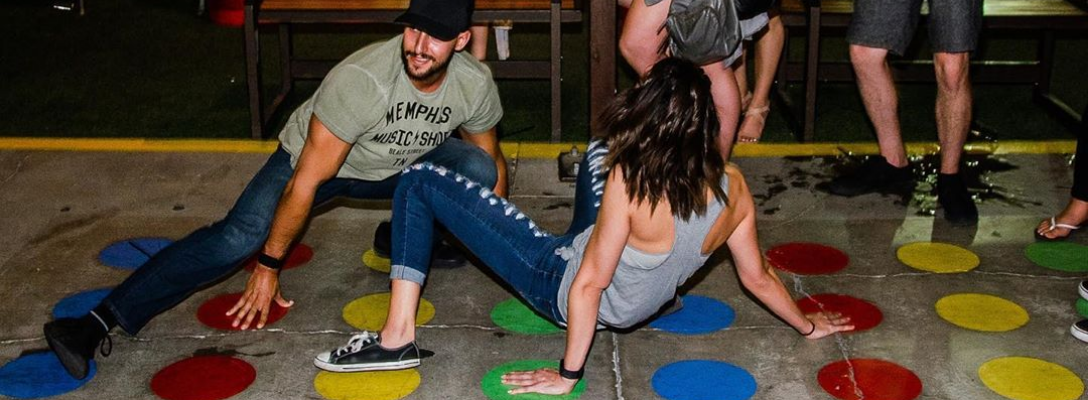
column 428, row 75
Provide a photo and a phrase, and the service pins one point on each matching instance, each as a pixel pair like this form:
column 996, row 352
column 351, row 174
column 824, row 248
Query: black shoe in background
column 447, row 256
column 443, row 255
column 74, row 342
column 1080, row 330
column 952, row 194
column 383, row 239
column 872, row 176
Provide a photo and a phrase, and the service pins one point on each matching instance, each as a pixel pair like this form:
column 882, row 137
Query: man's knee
column 867, row 58
column 478, row 166
column 241, row 237
column 951, row 70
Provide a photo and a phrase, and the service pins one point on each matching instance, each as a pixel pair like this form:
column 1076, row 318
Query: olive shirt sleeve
column 487, row 112
column 346, row 101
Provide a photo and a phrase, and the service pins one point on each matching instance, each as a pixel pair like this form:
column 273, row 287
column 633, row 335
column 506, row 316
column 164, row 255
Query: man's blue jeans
column 214, row 252
column 508, row 242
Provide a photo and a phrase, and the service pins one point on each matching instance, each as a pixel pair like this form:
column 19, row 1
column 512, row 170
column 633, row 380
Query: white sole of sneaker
column 387, row 366
column 1079, row 334
column 1083, row 292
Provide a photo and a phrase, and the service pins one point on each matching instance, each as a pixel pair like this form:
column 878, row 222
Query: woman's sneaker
column 1083, row 290
column 365, row 353
column 1080, row 330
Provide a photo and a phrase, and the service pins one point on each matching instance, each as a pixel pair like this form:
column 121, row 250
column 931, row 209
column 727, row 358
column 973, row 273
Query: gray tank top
column 644, row 282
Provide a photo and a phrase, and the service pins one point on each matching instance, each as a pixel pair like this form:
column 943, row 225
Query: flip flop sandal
column 1055, row 225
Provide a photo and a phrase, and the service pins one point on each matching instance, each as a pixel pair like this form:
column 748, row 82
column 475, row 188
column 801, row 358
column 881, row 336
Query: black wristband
column 811, row 331
column 574, row 375
column 270, row 262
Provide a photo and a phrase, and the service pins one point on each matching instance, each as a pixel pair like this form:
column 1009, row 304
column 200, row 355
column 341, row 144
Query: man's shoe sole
column 76, row 366
column 387, row 366
column 1078, row 333
column 1083, row 292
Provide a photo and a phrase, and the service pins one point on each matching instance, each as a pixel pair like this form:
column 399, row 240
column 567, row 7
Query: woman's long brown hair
column 664, row 133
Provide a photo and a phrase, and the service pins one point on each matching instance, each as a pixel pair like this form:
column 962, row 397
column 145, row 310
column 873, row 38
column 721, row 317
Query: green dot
column 494, row 389
column 1062, row 256
column 1082, row 307
column 515, row 316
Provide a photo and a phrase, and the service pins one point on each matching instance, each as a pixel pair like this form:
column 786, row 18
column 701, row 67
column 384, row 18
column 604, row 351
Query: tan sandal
column 745, row 101
column 758, row 112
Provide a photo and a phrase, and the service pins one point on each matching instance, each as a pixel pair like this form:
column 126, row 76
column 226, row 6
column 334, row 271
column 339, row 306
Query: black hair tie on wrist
column 270, row 262
column 574, row 375
column 811, row 331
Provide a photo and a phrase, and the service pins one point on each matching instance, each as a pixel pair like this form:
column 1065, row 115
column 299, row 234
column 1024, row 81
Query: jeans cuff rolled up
column 407, row 273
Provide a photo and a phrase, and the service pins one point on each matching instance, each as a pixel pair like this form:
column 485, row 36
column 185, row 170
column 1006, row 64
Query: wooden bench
column 285, row 13
column 1044, row 16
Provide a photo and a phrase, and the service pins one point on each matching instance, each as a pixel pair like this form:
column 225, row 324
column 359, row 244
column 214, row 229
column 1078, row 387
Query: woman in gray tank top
column 650, row 207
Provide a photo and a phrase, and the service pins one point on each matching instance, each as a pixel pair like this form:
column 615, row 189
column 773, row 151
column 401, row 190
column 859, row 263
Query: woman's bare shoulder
column 737, row 185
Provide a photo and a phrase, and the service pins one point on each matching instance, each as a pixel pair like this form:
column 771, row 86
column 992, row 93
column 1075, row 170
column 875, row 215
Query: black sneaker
column 365, row 353
column 1083, row 290
column 1080, row 330
column 956, row 201
column 446, row 256
column 443, row 255
column 74, row 343
column 383, row 239
column 872, row 176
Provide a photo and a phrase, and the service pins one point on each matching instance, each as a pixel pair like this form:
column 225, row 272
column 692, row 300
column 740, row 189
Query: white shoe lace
column 356, row 342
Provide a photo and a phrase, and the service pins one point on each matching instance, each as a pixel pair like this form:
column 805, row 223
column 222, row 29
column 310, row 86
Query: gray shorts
column 954, row 25
column 748, row 28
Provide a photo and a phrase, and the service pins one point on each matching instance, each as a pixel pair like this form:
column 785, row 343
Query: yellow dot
column 369, row 312
column 375, row 262
column 981, row 312
column 1023, row 378
column 941, row 258
column 378, row 385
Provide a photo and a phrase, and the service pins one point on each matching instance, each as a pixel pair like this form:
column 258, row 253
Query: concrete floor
column 61, row 208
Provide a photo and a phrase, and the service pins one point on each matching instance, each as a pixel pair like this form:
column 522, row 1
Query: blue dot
column 79, row 304
column 703, row 379
column 699, row 315
column 132, row 253
column 38, row 375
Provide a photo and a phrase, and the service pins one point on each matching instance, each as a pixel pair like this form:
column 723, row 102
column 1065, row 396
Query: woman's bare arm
column 594, row 275
column 758, row 277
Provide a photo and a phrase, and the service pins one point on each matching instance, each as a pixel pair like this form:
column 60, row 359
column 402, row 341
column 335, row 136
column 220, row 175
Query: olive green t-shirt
column 368, row 100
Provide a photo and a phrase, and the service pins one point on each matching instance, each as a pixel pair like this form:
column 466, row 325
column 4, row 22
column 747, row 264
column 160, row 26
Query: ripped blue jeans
column 505, row 239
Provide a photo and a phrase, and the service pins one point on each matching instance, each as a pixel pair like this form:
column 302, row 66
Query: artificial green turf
column 152, row 68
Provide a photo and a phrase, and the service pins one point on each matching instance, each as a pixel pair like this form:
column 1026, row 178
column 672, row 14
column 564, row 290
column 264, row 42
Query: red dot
column 203, row 378
column 213, row 313
column 300, row 254
column 863, row 315
column 807, row 258
column 876, row 379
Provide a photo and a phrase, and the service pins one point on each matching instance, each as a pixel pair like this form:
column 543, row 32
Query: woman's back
column 661, row 253
column 653, row 231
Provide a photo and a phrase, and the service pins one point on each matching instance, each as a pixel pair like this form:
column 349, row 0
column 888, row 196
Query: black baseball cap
column 443, row 19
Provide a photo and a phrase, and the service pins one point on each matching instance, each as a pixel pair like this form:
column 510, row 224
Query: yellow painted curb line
column 141, row 145
column 519, row 150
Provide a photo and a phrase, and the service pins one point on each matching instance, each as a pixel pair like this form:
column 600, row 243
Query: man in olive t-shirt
column 381, row 109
